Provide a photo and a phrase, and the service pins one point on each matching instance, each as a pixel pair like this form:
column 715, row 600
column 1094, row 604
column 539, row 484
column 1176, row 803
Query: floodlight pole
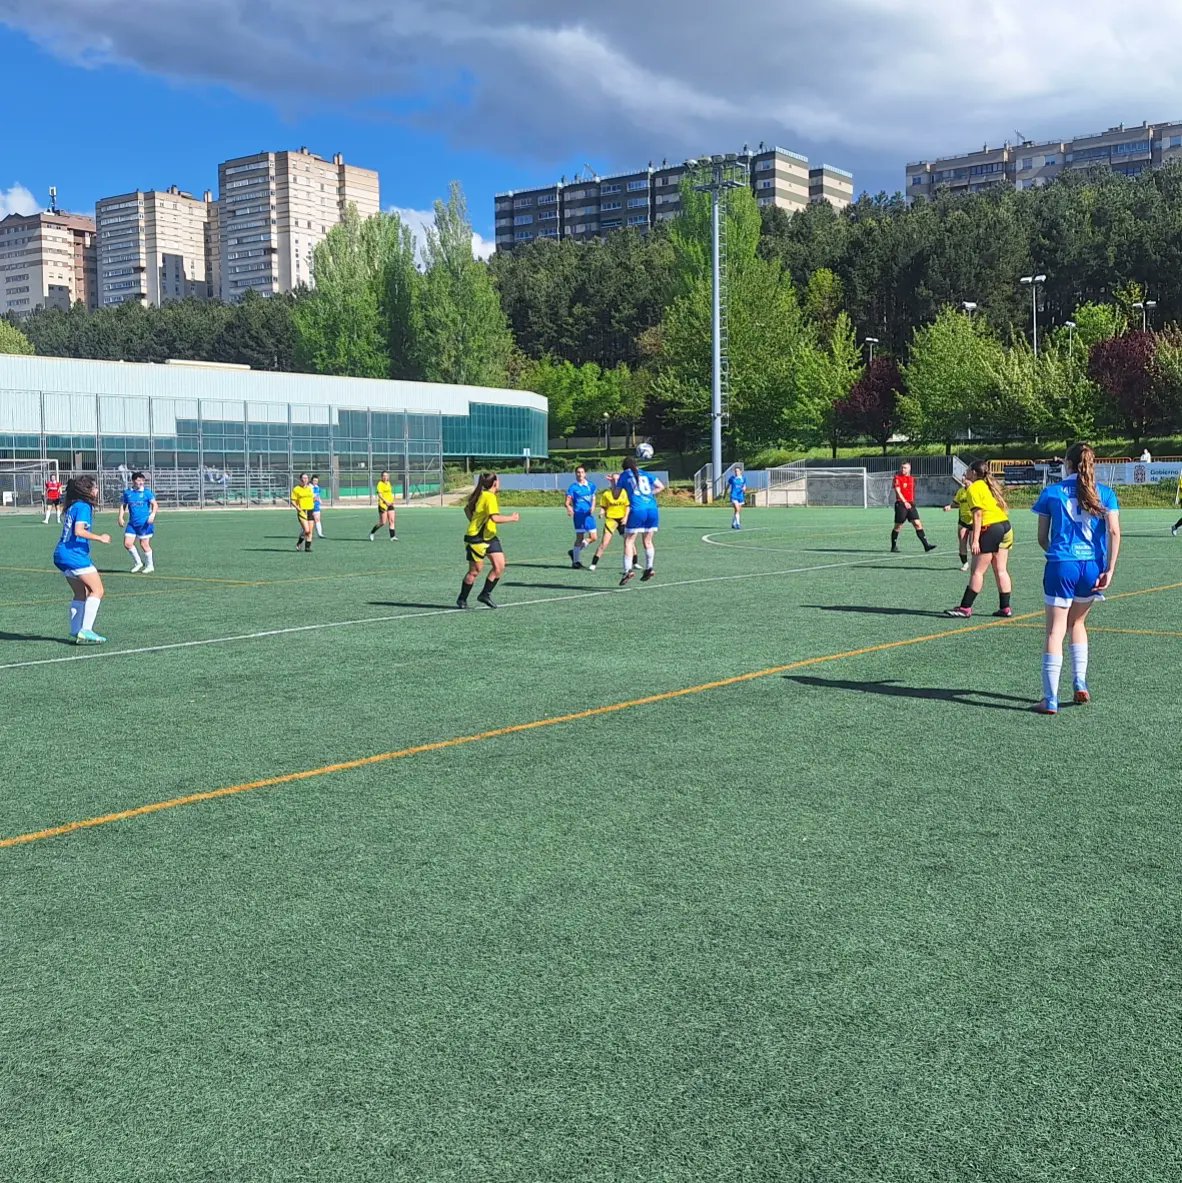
column 715, row 186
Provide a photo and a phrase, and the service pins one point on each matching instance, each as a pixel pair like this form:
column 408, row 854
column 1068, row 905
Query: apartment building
column 591, row 206
column 47, row 260
column 1028, row 164
column 153, row 246
column 273, row 208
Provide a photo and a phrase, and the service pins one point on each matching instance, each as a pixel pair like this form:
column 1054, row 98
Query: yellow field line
column 496, row 733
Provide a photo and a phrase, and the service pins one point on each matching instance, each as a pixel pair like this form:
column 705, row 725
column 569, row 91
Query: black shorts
column 999, row 536
column 477, row 549
column 54, row 501
column 305, row 515
column 903, row 514
column 614, row 525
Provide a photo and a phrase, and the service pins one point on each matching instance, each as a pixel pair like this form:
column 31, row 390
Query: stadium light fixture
column 1034, row 281
column 969, row 307
column 871, row 341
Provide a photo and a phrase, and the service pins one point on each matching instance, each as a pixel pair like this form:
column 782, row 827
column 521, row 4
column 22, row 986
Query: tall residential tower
column 47, row 260
column 273, row 208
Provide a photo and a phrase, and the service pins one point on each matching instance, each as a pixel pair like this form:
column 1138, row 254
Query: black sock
column 894, row 539
column 465, row 588
column 922, row 536
column 391, row 531
column 963, row 557
column 966, row 601
column 376, row 528
column 1178, row 523
column 1004, row 599
column 489, row 584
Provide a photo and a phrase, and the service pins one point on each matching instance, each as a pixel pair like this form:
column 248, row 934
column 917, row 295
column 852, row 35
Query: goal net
column 797, row 484
column 22, row 482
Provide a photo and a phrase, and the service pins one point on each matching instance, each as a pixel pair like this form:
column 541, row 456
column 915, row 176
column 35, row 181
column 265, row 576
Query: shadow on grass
column 35, row 637
column 872, row 610
column 568, row 587
column 547, row 566
column 409, row 604
column 966, row 697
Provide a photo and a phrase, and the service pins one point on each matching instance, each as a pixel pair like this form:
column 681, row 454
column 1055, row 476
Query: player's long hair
column 82, row 488
column 484, row 482
column 630, row 463
column 980, row 471
column 1081, row 459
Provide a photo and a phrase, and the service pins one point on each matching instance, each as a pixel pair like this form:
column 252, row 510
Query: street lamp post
column 871, row 341
column 718, row 183
column 969, row 307
column 1070, row 327
column 1145, row 305
column 1034, row 281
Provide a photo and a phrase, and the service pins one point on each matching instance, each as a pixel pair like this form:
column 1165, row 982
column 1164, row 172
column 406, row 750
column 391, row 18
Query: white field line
column 332, row 624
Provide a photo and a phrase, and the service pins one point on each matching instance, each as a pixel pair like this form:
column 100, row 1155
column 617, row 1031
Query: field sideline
column 760, row 871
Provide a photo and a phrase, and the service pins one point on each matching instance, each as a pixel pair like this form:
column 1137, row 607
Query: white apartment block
column 1030, row 164
column 47, row 260
column 273, row 208
column 592, row 206
column 153, row 246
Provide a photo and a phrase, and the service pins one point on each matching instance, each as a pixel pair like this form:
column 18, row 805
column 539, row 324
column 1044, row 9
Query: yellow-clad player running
column 613, row 505
column 483, row 512
column 964, row 518
column 385, row 492
column 303, row 500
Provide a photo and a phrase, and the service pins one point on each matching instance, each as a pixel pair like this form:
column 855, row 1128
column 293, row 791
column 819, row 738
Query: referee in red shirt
column 905, row 510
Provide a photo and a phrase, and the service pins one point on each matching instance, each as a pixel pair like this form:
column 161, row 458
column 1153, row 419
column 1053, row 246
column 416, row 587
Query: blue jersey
column 138, row 503
column 582, row 497
column 1076, row 536
column 639, row 487
column 315, row 498
column 71, row 551
column 737, row 484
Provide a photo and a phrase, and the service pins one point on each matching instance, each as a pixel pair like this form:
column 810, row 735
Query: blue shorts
column 145, row 530
column 585, row 522
column 1065, row 581
column 75, row 570
column 642, row 518
column 315, row 506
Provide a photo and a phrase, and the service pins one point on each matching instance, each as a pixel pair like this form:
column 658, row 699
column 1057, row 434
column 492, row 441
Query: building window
column 637, row 202
column 635, row 186
column 1027, row 163
column 765, row 184
column 613, row 188
column 638, row 220
column 1050, row 161
column 762, row 166
column 523, row 220
column 547, row 198
column 611, row 205
column 918, row 180
column 1176, row 141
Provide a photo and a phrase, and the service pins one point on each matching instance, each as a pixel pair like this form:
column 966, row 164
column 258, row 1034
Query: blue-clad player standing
column 642, row 489
column 316, row 505
column 580, row 505
column 137, row 517
column 1079, row 528
column 736, row 489
column 72, row 558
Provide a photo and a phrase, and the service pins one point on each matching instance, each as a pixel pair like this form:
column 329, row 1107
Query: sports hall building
column 229, row 434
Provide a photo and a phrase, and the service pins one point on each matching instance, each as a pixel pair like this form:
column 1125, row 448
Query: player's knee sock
column 650, row 554
column 465, row 590
column 966, row 601
column 90, row 612
column 76, row 609
column 922, row 535
column 392, row 531
column 376, row 528
column 894, row 540
column 1079, row 665
column 627, row 562
column 1003, row 599
column 135, row 554
column 319, row 531
column 489, row 584
column 1052, row 667
column 734, row 519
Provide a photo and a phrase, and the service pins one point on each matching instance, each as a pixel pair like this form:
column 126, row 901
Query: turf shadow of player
column 966, row 697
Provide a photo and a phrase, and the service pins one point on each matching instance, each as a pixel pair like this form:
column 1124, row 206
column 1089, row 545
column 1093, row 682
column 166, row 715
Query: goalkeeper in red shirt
column 905, row 511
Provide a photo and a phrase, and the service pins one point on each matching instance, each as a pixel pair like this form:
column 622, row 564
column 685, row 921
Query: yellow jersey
column 304, row 497
column 981, row 497
column 964, row 506
column 385, row 495
column 481, row 527
column 614, row 503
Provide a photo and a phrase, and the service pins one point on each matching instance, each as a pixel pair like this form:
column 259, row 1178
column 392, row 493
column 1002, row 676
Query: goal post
column 22, row 482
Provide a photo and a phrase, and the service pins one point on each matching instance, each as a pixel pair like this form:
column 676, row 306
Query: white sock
column 577, row 551
column 627, row 562
column 76, row 607
column 1052, row 667
column 650, row 553
column 90, row 612
column 135, row 555
column 319, row 531
column 150, row 558
column 735, row 520
column 1079, row 666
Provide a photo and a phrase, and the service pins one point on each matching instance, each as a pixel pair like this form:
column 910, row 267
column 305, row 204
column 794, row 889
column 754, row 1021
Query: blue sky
column 503, row 94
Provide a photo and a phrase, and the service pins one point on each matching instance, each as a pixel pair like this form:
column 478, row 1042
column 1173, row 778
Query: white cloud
column 885, row 79
column 17, row 200
column 419, row 220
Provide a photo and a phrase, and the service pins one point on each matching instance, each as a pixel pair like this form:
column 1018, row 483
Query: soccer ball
column 644, row 451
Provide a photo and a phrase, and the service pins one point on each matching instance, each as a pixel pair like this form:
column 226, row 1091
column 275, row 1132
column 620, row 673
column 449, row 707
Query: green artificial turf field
column 861, row 917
